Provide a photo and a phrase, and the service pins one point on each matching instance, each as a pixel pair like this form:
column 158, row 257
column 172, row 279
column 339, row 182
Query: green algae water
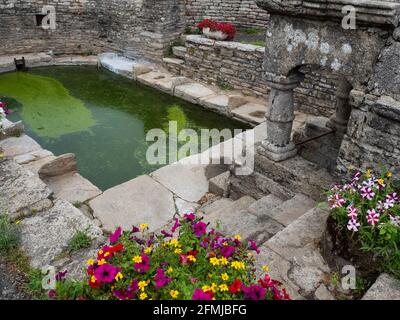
column 101, row 117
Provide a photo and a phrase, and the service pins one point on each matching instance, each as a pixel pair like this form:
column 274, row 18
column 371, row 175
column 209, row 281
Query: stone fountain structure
column 363, row 55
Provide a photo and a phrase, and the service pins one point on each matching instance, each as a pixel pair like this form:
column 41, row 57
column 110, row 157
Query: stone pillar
column 343, row 109
column 280, row 115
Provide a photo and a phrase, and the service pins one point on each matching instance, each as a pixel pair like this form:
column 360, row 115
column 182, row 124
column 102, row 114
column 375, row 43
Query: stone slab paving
column 219, row 184
column 21, row 192
column 189, row 182
column 73, row 188
column 183, row 206
column 223, row 103
column 141, row 200
column 251, row 112
column 193, row 92
column 45, row 236
column 384, row 288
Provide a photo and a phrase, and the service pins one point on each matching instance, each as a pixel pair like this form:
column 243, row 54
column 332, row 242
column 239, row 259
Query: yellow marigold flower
column 225, row 276
column 101, row 252
column 238, row 237
column 214, row 287
column 142, row 285
column 265, row 268
column 174, row 242
column 223, row 287
column 137, row 259
column 174, row 294
column 381, row 181
column 106, row 254
column 101, row 262
column 93, row 279
column 389, row 174
column 170, row 270
column 119, row 276
column 191, row 258
column 369, row 173
column 143, row 226
column 178, row 251
column 223, row 261
column 206, row 288
column 237, row 265
column 148, row 250
column 225, row 243
column 90, row 262
column 214, row 261
column 143, row 296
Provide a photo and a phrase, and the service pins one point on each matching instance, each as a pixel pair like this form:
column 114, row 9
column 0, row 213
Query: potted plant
column 217, row 30
column 364, row 225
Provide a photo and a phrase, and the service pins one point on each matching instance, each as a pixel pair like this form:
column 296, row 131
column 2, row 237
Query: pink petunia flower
column 189, row 216
column 253, row 246
column 336, row 201
column 227, row 251
column 392, row 197
column 160, row 279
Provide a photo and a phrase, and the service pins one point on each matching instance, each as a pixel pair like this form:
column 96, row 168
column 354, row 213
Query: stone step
column 193, row 92
column 232, row 218
column 265, row 205
column 217, row 205
column 219, row 184
column 290, row 210
column 294, row 257
column 223, row 103
column 384, row 288
column 173, row 61
column 251, row 112
column 179, row 51
column 73, row 188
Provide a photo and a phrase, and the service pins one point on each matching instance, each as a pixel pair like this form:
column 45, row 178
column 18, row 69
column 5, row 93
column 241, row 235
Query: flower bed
column 3, row 112
column 216, row 30
column 186, row 262
column 364, row 225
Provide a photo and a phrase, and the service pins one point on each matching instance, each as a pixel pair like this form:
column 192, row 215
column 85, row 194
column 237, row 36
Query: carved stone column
column 343, row 109
column 280, row 115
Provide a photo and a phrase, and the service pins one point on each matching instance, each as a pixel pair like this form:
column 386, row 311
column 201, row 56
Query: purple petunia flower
column 143, row 266
column 253, row 246
column 106, row 273
column 176, row 225
column 160, row 279
column 254, row 292
column 116, row 235
column 166, row 234
column 227, row 251
column 189, row 216
column 199, row 229
column 61, row 275
column 199, row 294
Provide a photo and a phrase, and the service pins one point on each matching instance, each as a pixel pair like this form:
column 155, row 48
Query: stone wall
column 243, row 13
column 76, row 27
column 136, row 27
column 240, row 66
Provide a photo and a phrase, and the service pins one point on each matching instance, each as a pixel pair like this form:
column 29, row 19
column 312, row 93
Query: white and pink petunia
column 395, row 220
column 352, row 212
column 336, row 201
column 353, row 225
column 392, row 196
column 372, row 217
column 367, row 193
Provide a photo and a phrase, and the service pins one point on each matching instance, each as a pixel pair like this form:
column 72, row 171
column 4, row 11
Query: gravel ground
column 10, row 282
